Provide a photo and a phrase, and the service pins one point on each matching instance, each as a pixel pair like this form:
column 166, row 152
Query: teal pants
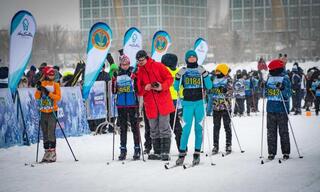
column 192, row 109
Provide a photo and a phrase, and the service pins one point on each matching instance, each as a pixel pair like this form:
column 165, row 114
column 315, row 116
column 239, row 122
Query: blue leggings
column 192, row 109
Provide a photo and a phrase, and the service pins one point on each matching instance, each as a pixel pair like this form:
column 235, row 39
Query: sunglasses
column 140, row 60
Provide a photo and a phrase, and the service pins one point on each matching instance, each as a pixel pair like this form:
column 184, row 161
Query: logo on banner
column 134, row 39
column 100, row 39
column 25, row 32
column 160, row 44
column 201, row 48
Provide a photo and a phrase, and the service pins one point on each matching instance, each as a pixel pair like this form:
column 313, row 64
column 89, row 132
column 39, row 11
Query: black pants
column 125, row 114
column 248, row 103
column 296, row 100
column 148, row 141
column 317, row 103
column 48, row 123
column 239, row 106
column 217, row 116
column 275, row 122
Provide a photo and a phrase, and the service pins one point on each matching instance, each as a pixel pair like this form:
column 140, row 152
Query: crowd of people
column 173, row 95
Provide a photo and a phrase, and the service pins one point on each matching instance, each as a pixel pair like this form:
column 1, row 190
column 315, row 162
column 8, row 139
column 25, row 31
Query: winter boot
column 271, row 156
column 196, row 158
column 215, row 150
column 228, row 149
column 286, row 156
column 45, row 157
column 52, row 157
column 157, row 150
column 123, row 154
column 165, row 149
column 137, row 153
column 317, row 113
column 181, row 158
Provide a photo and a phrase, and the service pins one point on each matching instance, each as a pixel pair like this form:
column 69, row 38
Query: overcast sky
column 46, row 12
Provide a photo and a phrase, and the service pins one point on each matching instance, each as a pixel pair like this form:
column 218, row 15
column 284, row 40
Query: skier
column 296, row 81
column 278, row 92
column 194, row 79
column 315, row 88
column 239, row 94
column 48, row 94
column 248, row 92
column 171, row 61
column 222, row 85
column 154, row 81
column 123, row 86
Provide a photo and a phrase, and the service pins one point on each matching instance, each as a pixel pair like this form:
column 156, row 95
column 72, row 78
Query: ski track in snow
column 240, row 172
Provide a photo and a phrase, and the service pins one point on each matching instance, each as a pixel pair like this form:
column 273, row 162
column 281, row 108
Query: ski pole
column 294, row 138
column 234, row 129
column 38, row 141
column 262, row 124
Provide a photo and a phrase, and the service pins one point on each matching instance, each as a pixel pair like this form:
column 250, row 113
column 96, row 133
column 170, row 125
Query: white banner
column 201, row 48
column 132, row 43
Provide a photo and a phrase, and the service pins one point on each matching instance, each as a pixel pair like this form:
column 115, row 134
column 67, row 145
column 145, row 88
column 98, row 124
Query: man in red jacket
column 153, row 82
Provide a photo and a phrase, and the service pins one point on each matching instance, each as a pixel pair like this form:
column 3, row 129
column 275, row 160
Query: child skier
column 48, row 94
column 123, row 86
column 194, row 78
column 315, row 87
column 222, row 85
column 239, row 94
column 278, row 92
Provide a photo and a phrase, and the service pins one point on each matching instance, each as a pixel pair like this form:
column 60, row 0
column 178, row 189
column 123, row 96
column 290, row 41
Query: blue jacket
column 126, row 96
column 315, row 87
column 275, row 96
column 248, row 86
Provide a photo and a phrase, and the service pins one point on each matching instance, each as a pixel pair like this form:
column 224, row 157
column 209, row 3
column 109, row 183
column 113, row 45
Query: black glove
column 280, row 86
column 120, row 51
column 38, row 85
column 223, row 89
column 110, row 59
column 44, row 90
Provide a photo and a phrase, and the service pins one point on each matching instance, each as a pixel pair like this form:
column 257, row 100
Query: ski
column 266, row 161
column 225, row 154
column 281, row 160
column 187, row 166
column 168, row 166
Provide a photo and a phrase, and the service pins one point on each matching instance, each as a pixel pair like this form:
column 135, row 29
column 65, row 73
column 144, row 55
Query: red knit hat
column 48, row 71
column 124, row 59
column 275, row 64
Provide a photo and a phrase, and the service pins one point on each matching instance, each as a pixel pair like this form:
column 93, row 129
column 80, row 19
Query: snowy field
column 236, row 172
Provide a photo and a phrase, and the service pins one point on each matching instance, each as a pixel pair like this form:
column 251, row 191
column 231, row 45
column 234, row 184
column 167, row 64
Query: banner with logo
column 132, row 43
column 201, row 48
column 97, row 101
column 99, row 43
column 160, row 44
column 22, row 30
column 10, row 131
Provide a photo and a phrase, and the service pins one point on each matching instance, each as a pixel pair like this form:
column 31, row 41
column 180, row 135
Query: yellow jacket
column 54, row 96
column 173, row 92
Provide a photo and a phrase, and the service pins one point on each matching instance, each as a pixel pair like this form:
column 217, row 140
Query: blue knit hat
column 190, row 53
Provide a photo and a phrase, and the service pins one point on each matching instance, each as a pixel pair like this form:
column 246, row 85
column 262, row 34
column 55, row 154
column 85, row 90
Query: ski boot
column 45, row 157
column 215, row 150
column 196, row 158
column 285, row 156
column 181, row 158
column 228, row 149
column 165, row 149
column 157, row 150
column 123, row 154
column 271, row 156
column 52, row 157
column 137, row 152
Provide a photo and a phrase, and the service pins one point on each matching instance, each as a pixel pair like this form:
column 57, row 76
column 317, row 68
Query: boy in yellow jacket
column 48, row 94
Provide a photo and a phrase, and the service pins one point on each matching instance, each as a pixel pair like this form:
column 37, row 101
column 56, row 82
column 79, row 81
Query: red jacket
column 155, row 102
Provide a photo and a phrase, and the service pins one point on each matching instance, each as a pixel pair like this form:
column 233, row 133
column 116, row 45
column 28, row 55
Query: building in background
column 268, row 27
column 184, row 20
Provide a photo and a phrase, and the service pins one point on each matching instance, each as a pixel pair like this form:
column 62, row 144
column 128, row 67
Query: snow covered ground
column 236, row 172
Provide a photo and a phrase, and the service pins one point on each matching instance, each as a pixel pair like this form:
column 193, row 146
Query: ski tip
column 280, row 161
column 242, row 151
column 166, row 166
column 184, row 166
column 222, row 155
column 76, row 160
column 206, row 154
column 213, row 164
column 32, row 165
column 201, row 152
column 301, row 157
column 262, row 162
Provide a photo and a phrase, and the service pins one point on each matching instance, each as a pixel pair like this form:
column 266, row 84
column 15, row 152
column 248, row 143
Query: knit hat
column 223, row 68
column 123, row 59
column 190, row 53
column 48, row 71
column 275, row 64
column 170, row 60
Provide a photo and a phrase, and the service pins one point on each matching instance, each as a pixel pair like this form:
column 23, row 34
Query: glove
column 44, row 90
column 110, row 59
column 223, row 89
column 120, row 51
column 181, row 72
column 280, row 86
